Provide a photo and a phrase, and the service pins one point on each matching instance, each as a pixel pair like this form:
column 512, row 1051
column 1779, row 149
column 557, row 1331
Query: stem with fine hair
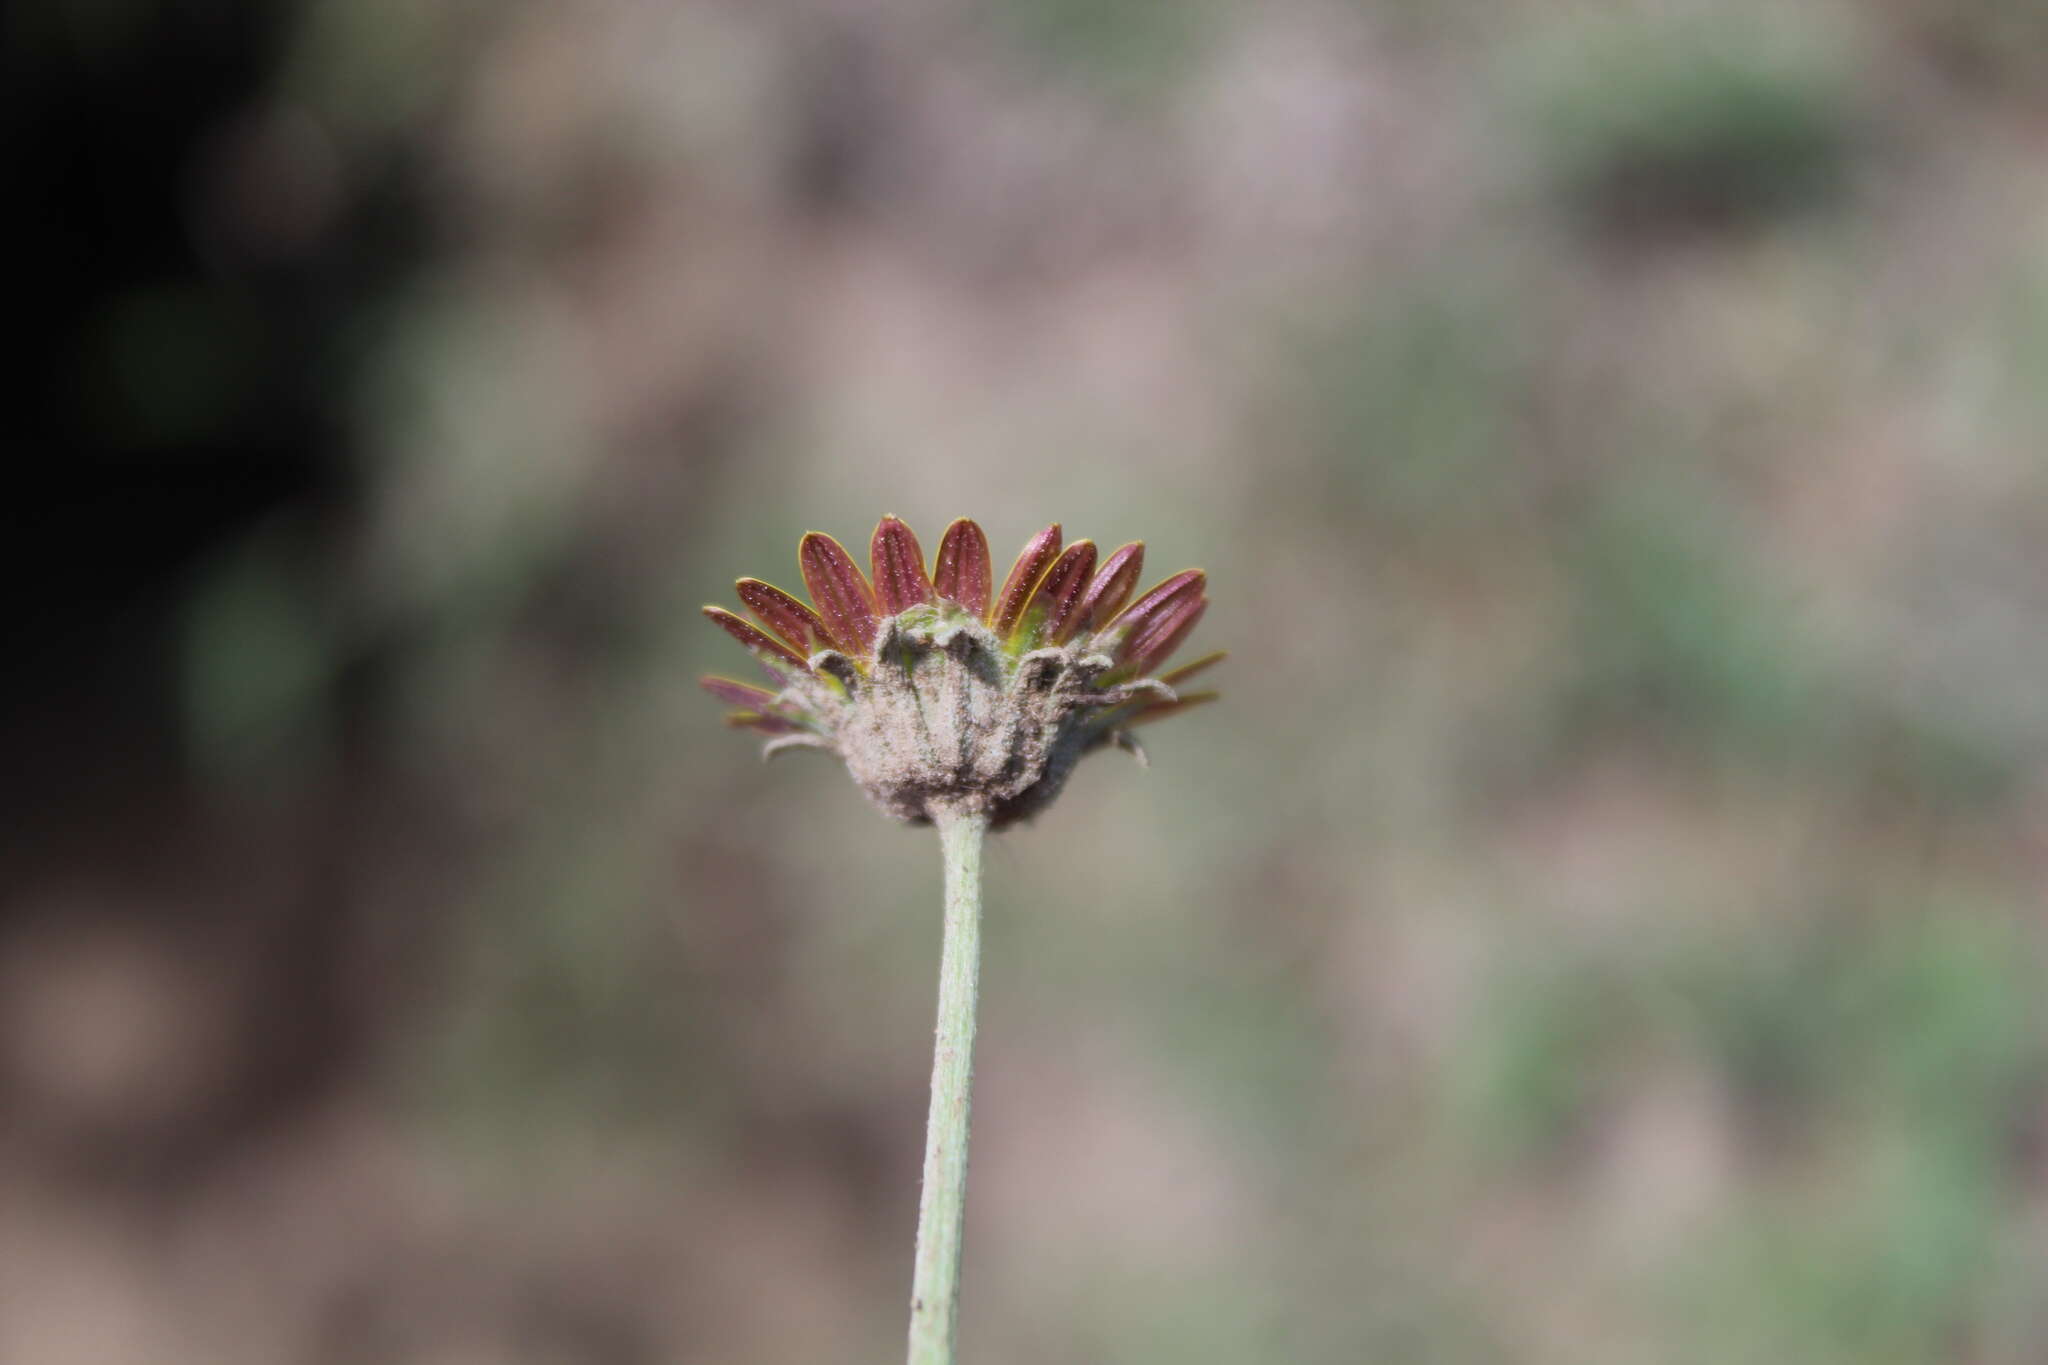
column 935, row 1284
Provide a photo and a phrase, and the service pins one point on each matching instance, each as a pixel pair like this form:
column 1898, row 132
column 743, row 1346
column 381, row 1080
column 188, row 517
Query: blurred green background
column 1601, row 922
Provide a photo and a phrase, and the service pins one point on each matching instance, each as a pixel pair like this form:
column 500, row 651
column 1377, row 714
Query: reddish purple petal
column 1188, row 670
column 739, row 693
column 1049, row 614
column 898, row 565
column 777, row 656
column 1024, row 575
column 795, row 622
column 1185, row 586
column 844, row 601
column 1161, row 710
column 1155, row 644
column 1112, row 587
column 962, row 573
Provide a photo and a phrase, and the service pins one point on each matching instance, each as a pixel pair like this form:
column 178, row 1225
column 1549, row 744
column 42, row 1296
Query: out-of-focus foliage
column 1693, row 122
column 1598, row 924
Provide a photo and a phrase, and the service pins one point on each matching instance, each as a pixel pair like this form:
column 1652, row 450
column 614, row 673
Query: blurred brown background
column 1601, row 923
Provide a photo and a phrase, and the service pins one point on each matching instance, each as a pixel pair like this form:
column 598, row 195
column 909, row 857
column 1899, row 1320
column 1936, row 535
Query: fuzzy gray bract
column 945, row 719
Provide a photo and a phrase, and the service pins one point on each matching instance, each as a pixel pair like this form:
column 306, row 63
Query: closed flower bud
column 943, row 693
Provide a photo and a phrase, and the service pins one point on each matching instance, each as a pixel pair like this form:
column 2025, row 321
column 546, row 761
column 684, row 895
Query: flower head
column 943, row 691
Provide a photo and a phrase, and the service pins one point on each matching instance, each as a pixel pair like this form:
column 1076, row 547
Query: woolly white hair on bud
column 946, row 720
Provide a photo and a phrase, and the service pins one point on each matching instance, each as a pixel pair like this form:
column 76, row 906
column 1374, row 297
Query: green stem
column 935, row 1284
